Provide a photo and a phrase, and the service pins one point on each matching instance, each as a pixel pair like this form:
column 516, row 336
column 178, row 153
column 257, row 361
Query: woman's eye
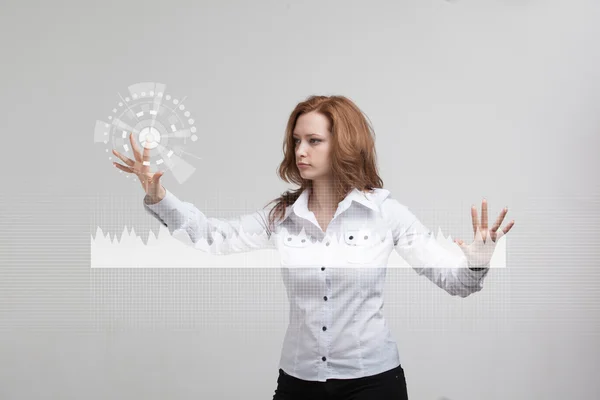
column 311, row 140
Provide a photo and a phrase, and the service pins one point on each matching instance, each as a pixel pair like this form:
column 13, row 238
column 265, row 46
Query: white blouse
column 334, row 279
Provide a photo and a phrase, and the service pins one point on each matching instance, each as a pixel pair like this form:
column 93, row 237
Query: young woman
column 334, row 235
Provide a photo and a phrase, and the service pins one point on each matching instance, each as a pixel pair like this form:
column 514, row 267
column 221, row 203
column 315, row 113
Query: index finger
column 500, row 219
column 135, row 148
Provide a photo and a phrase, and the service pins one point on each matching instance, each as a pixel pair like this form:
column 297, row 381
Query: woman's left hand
column 483, row 226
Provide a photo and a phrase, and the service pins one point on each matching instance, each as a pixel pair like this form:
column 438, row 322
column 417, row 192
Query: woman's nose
column 300, row 151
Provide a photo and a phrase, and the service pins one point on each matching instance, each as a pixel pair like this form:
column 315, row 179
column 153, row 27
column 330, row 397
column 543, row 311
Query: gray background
column 469, row 99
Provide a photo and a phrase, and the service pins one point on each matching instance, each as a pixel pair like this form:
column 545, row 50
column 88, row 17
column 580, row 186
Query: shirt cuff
column 167, row 203
column 170, row 210
column 472, row 278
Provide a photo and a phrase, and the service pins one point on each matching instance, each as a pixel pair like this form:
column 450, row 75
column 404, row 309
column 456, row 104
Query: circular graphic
column 158, row 122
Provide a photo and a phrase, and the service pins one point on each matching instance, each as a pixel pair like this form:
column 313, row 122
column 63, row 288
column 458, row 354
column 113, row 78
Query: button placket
column 326, row 305
column 327, row 313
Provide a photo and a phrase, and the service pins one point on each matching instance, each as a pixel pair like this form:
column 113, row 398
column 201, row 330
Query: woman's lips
column 303, row 165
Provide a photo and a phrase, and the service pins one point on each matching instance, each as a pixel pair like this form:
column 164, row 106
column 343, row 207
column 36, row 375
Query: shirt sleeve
column 417, row 245
column 212, row 235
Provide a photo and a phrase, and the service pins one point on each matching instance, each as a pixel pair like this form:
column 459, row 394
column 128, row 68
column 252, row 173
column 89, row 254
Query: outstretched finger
column 126, row 160
column 135, row 148
column 499, row 220
column 484, row 215
column 146, row 160
column 474, row 219
column 123, row 168
column 508, row 226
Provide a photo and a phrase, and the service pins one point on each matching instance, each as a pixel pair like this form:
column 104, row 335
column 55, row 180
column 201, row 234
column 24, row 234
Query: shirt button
column 327, row 244
column 324, row 328
column 325, row 298
column 322, row 268
column 324, row 358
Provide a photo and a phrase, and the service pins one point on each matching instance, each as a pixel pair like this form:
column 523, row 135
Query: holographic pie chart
column 158, row 121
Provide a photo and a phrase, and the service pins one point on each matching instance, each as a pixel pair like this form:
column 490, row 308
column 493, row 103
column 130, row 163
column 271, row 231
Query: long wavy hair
column 353, row 157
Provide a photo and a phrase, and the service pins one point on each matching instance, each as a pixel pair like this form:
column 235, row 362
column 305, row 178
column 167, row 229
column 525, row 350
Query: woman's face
column 313, row 143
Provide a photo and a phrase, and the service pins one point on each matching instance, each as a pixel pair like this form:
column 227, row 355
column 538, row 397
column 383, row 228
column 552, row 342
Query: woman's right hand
column 150, row 180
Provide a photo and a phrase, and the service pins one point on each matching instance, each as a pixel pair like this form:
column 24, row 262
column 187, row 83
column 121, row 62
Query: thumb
column 157, row 176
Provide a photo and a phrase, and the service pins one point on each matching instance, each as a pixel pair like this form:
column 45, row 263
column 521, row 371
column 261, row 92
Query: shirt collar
column 300, row 206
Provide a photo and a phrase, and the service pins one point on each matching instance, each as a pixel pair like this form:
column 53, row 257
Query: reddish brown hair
column 353, row 156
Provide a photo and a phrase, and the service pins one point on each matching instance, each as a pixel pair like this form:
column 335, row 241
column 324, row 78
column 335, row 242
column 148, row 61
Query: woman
column 334, row 235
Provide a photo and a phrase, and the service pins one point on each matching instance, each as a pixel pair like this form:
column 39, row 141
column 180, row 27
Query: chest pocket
column 361, row 246
column 297, row 250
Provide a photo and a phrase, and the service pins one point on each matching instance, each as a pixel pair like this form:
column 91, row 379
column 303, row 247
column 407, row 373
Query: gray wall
column 469, row 99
